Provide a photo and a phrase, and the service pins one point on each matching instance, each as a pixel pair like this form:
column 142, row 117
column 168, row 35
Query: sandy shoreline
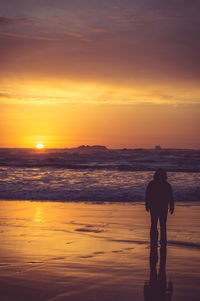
column 75, row 251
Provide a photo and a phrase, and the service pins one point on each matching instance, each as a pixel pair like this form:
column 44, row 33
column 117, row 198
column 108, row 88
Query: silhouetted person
column 157, row 289
column 158, row 199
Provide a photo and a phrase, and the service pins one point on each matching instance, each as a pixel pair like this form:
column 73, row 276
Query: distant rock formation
column 158, row 147
column 89, row 149
column 92, row 148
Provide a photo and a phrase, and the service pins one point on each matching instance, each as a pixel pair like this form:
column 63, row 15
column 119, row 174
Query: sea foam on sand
column 77, row 251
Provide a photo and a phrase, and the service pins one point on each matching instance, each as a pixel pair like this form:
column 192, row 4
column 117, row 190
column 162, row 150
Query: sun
column 39, row 145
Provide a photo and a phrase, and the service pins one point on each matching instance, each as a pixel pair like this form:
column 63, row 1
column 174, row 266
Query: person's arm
column 147, row 194
column 171, row 200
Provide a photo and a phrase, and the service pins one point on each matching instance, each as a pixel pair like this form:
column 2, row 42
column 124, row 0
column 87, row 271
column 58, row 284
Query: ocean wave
column 48, row 184
column 96, row 158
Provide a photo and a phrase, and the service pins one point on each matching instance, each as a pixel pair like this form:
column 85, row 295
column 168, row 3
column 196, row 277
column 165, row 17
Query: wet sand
column 76, row 251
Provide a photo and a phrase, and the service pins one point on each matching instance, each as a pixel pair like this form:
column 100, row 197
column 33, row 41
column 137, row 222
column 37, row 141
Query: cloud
column 27, row 36
column 98, row 30
column 54, row 91
column 149, row 41
column 75, row 35
column 14, row 21
column 4, row 95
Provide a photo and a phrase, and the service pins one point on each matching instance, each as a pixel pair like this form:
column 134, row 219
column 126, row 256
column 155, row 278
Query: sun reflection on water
column 38, row 217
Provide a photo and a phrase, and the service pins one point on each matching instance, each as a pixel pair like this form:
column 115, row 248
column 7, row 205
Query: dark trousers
column 162, row 217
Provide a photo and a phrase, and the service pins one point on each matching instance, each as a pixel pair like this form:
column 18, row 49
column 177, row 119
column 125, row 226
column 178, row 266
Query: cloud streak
column 150, row 39
column 4, row 21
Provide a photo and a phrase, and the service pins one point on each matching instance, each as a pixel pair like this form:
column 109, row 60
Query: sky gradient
column 117, row 73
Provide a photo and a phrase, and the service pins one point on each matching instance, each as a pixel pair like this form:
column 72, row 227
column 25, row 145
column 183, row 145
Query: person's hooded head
column 160, row 175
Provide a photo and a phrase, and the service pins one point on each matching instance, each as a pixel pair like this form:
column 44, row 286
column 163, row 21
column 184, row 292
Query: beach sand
column 77, row 251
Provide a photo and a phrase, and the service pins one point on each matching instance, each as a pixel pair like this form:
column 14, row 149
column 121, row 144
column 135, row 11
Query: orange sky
column 119, row 74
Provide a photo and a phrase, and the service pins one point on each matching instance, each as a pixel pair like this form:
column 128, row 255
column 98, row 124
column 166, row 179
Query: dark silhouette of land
column 159, row 197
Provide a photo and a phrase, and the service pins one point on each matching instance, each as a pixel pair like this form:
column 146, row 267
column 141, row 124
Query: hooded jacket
column 159, row 195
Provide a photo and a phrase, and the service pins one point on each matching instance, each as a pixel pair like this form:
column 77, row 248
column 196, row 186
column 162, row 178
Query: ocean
column 89, row 174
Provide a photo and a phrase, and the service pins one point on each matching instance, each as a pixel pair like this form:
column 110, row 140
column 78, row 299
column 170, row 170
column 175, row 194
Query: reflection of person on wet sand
column 157, row 288
column 158, row 198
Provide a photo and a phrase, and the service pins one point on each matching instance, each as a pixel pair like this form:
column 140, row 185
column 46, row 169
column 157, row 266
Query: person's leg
column 154, row 231
column 163, row 231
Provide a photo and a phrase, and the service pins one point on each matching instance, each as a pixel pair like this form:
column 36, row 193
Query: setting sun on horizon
column 40, row 146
